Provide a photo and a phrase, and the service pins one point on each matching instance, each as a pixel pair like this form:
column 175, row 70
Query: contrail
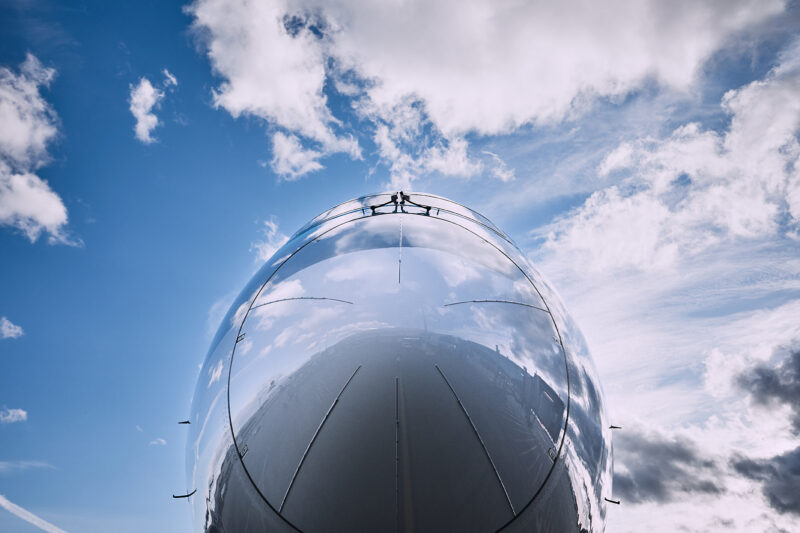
column 28, row 516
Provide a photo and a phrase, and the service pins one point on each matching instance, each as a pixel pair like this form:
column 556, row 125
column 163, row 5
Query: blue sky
column 152, row 154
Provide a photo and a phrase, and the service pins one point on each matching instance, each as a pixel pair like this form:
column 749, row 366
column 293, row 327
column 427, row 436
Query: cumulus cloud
column 9, row 330
column 780, row 478
column 510, row 63
column 481, row 66
column 774, row 384
column 779, row 384
column 659, row 468
column 451, row 159
column 27, row 125
column 651, row 334
column 290, row 159
column 28, row 121
column 408, row 157
column 697, row 188
column 29, row 204
column 9, row 416
column 271, row 69
column 274, row 69
column 28, row 516
column 273, row 240
column 144, row 99
column 682, row 272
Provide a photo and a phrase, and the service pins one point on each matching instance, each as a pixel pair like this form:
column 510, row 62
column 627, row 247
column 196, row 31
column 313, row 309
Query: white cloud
column 408, row 157
column 270, row 73
column 27, row 122
column 28, row 516
column 273, row 240
column 452, row 160
column 158, row 442
column 682, row 275
column 169, row 79
column 27, row 125
column 668, row 344
column 9, row 416
column 139, row 429
column 143, row 99
column 9, row 330
column 729, row 425
column 481, row 66
column 290, row 159
column 28, row 203
column 509, row 63
column 697, row 188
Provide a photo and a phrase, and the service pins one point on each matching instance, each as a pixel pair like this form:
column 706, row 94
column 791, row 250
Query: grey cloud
column 780, row 477
column 780, row 384
column 661, row 469
column 772, row 385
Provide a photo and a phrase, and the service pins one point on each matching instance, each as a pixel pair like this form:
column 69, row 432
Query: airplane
column 398, row 365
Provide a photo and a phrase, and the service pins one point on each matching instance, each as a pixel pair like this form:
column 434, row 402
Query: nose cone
column 392, row 368
column 396, row 429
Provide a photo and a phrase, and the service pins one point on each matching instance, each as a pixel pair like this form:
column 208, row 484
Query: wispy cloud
column 18, row 466
column 28, row 516
column 9, row 416
column 158, row 442
column 499, row 168
column 28, row 124
column 169, row 79
column 9, row 330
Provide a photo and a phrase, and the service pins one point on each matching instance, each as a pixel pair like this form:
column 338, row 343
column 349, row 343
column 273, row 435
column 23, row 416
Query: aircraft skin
column 398, row 365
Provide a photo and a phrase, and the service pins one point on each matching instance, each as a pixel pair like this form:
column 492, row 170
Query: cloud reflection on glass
column 398, row 368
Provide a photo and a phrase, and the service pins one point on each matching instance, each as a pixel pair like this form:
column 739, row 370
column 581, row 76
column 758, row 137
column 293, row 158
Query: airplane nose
column 395, row 367
column 399, row 430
